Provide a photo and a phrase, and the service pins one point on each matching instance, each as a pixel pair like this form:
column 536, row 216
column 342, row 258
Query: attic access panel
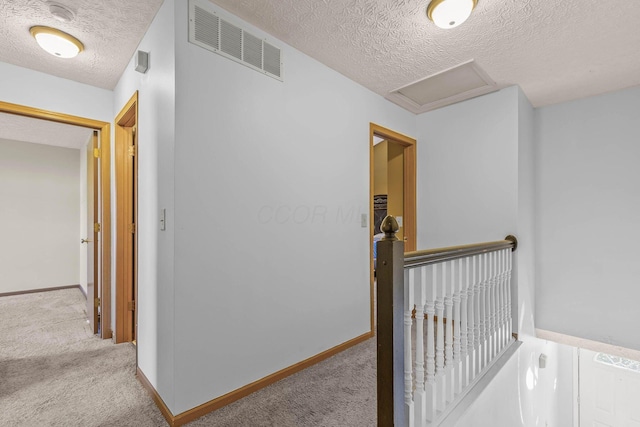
column 456, row 84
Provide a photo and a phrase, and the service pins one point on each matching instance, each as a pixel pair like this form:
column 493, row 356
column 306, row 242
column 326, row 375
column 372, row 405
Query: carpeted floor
column 54, row 372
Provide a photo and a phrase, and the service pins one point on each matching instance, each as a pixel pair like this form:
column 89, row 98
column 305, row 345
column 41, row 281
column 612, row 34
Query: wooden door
column 132, row 182
column 92, row 234
column 609, row 391
column 126, row 138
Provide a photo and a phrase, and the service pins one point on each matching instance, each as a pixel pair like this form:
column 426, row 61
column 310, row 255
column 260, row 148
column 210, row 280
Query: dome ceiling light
column 56, row 42
column 450, row 13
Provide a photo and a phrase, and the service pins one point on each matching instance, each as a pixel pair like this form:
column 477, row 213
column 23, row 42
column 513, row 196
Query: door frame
column 409, row 207
column 105, row 194
column 126, row 207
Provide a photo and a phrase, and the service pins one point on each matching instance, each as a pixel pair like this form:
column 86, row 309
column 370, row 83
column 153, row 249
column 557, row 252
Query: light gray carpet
column 54, row 372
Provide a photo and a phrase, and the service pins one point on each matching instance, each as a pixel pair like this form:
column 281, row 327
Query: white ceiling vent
column 210, row 31
column 456, row 84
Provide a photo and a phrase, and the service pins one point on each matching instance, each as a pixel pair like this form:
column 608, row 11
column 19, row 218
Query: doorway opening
column 126, row 159
column 392, row 189
column 99, row 295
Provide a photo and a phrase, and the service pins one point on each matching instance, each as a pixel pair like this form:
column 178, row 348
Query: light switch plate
column 399, row 219
column 364, row 223
column 163, row 219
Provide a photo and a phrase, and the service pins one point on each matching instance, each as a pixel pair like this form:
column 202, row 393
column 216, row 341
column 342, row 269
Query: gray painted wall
column 39, row 216
column 588, row 217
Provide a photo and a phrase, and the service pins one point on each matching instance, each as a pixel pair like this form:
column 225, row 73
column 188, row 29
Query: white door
column 609, row 391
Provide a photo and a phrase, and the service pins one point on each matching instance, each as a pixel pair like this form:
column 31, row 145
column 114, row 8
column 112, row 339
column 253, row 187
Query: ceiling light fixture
column 450, row 13
column 56, row 42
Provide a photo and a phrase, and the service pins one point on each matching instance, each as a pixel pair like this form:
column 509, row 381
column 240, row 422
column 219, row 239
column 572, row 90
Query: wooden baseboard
column 212, row 405
column 166, row 413
column 33, row 291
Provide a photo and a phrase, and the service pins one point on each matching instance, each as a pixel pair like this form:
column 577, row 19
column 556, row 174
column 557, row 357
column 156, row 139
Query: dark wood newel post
column 390, row 326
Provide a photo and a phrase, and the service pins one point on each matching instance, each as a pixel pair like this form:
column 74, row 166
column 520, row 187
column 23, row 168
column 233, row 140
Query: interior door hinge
column 132, row 150
column 96, row 302
column 96, row 153
column 132, row 306
column 96, row 227
column 132, row 228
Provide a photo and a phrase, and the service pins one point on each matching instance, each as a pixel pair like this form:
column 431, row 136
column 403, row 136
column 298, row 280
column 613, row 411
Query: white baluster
column 471, row 316
column 487, row 312
column 430, row 388
column 419, row 393
column 448, row 344
column 477, row 330
column 440, row 369
column 408, row 310
column 464, row 311
column 490, row 326
column 483, row 311
column 499, row 301
column 492, row 304
column 509, row 319
column 457, row 367
column 503, row 300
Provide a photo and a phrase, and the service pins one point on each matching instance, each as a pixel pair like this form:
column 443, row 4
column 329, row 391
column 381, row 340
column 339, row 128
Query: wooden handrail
column 434, row 256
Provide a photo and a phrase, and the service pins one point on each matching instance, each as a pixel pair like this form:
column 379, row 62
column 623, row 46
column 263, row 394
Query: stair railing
column 443, row 318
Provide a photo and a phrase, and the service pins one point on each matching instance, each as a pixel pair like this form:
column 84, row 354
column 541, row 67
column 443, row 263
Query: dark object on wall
column 379, row 211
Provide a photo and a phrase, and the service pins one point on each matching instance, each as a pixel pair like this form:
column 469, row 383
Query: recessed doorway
column 392, row 184
column 99, row 294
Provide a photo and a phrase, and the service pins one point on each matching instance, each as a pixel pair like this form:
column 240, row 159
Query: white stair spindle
column 440, row 368
column 487, row 311
column 483, row 311
column 471, row 324
column 430, row 387
column 448, row 345
column 464, row 310
column 503, row 300
column 457, row 365
column 492, row 304
column 509, row 319
column 419, row 393
column 408, row 310
column 498, row 313
column 477, row 330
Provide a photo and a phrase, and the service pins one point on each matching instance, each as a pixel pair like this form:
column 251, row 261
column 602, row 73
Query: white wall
column 39, row 90
column 156, row 118
column 524, row 395
column 39, row 216
column 468, row 171
column 476, row 183
column 588, row 211
column 271, row 264
column 35, row 89
column 83, row 216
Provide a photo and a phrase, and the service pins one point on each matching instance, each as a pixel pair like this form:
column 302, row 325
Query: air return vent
column 456, row 84
column 210, row 31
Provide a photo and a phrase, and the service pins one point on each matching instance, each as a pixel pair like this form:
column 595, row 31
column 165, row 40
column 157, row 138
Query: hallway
column 54, row 372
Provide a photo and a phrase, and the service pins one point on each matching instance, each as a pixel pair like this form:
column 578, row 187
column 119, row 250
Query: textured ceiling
column 109, row 29
column 555, row 50
column 19, row 128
